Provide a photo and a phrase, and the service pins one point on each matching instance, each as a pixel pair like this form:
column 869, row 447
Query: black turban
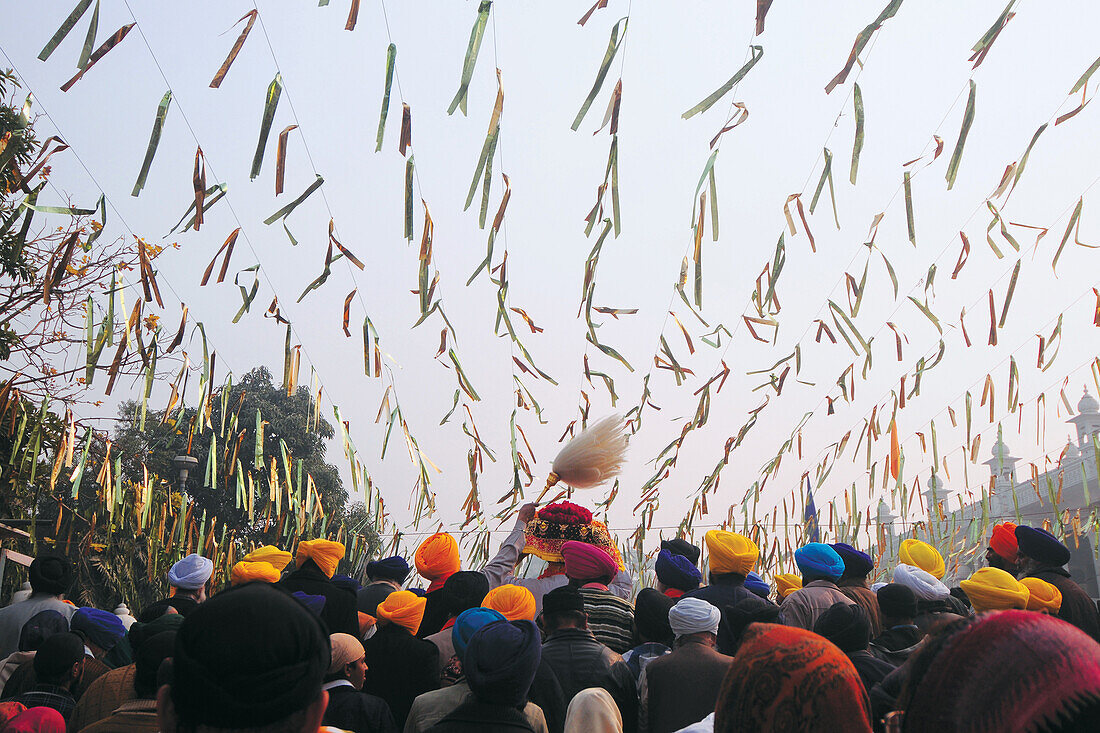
column 370, row 596
column 147, row 660
column 682, row 548
column 1038, row 544
column 391, row 568
column 248, row 657
column 464, row 589
column 749, row 610
column 651, row 616
column 856, row 564
column 40, row 627
column 563, row 599
column 51, row 574
column 57, row 655
column 897, row 601
column 501, row 660
column 846, row 625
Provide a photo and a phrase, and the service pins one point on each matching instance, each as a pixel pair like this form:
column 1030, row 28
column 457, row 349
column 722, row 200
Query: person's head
column 189, row 577
column 741, row 615
column 683, row 548
column 676, row 571
column 101, row 630
column 693, row 620
column 40, row 627
column 924, row 585
column 514, row 602
column 500, row 662
column 8, row 711
column 248, row 571
column 148, row 657
column 36, row 720
column 467, row 624
column 438, row 558
column 1039, row 548
column 403, row 609
column 585, row 563
column 390, row 569
column 270, row 554
column 757, row 585
column 846, row 625
column 898, row 604
column 464, row 589
column 347, row 661
column 251, row 658
column 857, row 565
column 178, row 605
column 922, row 555
column 51, row 575
column 1042, row 596
column 786, row 583
column 787, row 678
column 818, row 561
column 322, row 554
column 346, row 582
column 370, row 596
column 990, row 589
column 651, row 609
column 593, row 709
column 1003, row 552
column 60, row 660
column 563, row 608
column 730, row 553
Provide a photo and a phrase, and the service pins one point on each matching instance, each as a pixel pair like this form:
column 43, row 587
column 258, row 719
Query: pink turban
column 587, row 562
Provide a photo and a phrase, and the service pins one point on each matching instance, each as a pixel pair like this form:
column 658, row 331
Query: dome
column 935, row 483
column 1071, row 453
column 1088, row 404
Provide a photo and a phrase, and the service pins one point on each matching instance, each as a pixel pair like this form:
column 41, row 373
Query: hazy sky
column 914, row 85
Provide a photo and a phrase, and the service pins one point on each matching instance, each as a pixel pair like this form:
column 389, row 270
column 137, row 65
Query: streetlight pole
column 184, row 464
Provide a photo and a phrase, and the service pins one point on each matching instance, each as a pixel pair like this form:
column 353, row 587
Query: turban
column 730, row 552
column 749, row 610
column 51, row 574
column 314, row 604
column 394, row 568
column 676, row 571
column 437, row 557
column 846, row 625
column 1003, row 541
column 693, row 616
column 556, row 524
column 587, row 562
column 37, row 720
column 1042, row 596
column 191, row 573
column 563, row 599
column 248, row 657
column 924, row 585
column 897, row 601
column 404, row 608
column 325, row 553
column 9, row 710
column 856, row 564
column 818, row 560
column 367, row 624
column 464, row 589
column 270, row 554
column 757, row 585
column 246, row 572
column 345, row 650
column 500, row 662
column 467, row 624
column 922, row 555
column 1038, row 544
column 40, row 627
column 346, row 582
column 514, row 602
column 992, row 589
column 651, row 609
column 102, row 628
column 57, row 655
column 787, row 583
column 147, row 661
column 683, row 548
column 373, row 594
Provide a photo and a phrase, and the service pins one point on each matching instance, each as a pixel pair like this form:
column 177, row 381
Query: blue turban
column 677, row 571
column 1038, row 544
column 314, row 604
column 391, row 568
column 818, row 560
column 501, row 660
column 757, row 585
column 467, row 624
column 856, row 564
column 418, row 592
column 346, row 582
column 102, row 628
column 191, row 573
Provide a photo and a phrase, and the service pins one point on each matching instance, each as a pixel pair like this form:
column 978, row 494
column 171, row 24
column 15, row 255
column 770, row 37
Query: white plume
column 594, row 456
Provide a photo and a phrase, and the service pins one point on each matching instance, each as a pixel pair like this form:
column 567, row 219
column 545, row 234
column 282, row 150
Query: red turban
column 587, row 562
column 1003, row 541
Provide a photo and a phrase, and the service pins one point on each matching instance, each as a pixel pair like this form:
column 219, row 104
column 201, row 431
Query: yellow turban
column 924, row 556
column 437, row 557
column 270, row 554
column 991, row 589
column 246, row 572
column 514, row 602
column 786, row 583
column 326, row 553
column 730, row 552
column 1042, row 596
column 403, row 608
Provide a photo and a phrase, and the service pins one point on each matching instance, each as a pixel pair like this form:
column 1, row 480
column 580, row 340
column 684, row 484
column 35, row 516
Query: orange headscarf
column 403, row 608
column 992, row 589
column 270, row 554
column 1042, row 596
column 514, row 602
column 437, row 558
column 730, row 552
column 326, row 553
column 922, row 555
column 246, row 572
column 786, row 583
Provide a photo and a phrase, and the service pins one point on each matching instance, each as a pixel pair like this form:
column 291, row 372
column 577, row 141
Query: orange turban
column 366, row 623
column 270, row 554
column 730, row 552
column 924, row 556
column 514, row 602
column 246, row 572
column 403, row 608
column 786, row 583
column 991, row 589
column 437, row 557
column 1042, row 596
column 1003, row 541
column 326, row 553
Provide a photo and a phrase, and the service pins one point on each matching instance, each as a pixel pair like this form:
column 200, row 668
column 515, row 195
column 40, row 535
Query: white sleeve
column 501, row 569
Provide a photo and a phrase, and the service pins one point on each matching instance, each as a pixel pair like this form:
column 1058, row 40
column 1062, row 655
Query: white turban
column 191, row 573
column 875, row 586
column 693, row 616
column 923, row 584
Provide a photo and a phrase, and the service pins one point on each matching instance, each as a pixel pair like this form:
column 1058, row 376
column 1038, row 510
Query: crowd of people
column 293, row 647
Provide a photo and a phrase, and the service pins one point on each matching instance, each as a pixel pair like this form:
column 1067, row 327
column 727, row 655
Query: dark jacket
column 400, row 667
column 339, row 613
column 435, row 614
column 725, row 590
column 357, row 712
column 897, row 644
column 871, row 669
column 931, row 614
column 1077, row 608
column 682, row 687
column 579, row 662
column 866, row 598
column 476, row 717
column 546, row 692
